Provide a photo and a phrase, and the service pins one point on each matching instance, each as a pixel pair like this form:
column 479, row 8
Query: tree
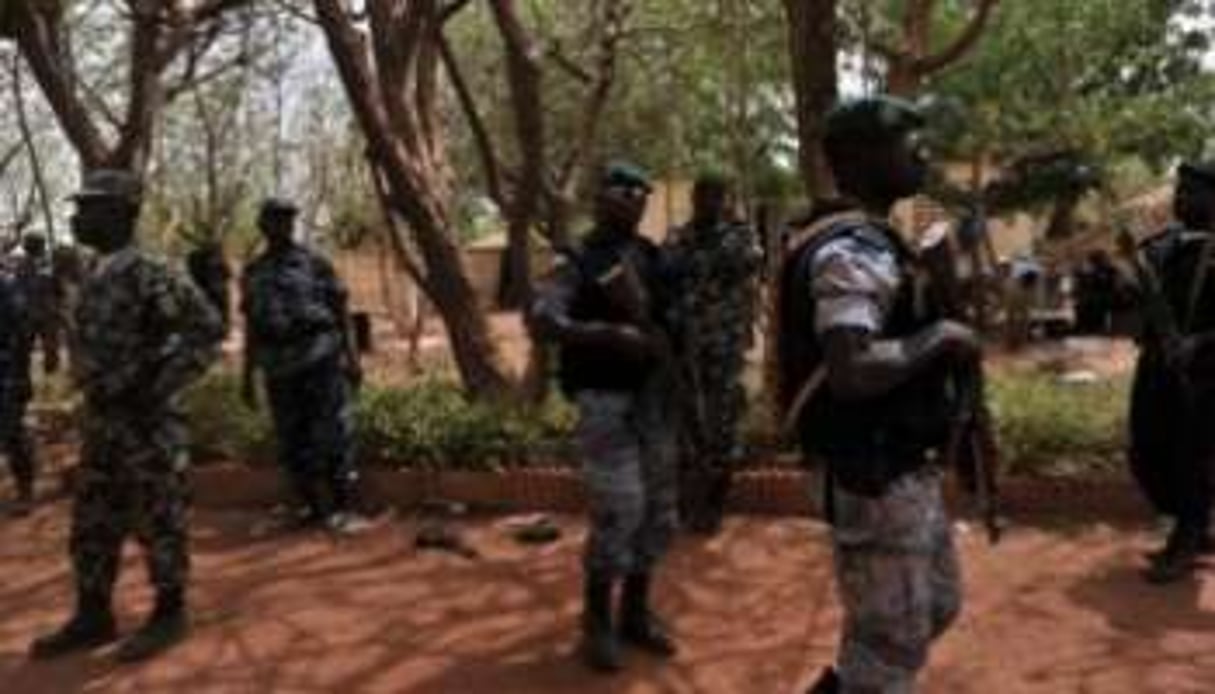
column 160, row 34
column 1084, row 87
column 813, row 53
column 388, row 59
column 920, row 38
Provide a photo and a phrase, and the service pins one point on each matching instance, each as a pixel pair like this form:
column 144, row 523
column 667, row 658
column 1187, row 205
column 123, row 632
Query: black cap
column 1203, row 171
column 279, row 207
column 872, row 118
column 621, row 174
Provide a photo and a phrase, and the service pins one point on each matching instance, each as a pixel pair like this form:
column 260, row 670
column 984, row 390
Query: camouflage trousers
column 14, row 436
column 898, row 579
column 314, row 426
column 627, row 442
column 131, row 481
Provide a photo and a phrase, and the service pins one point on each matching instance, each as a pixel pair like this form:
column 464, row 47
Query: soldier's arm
column 191, row 328
column 550, row 315
column 338, row 298
column 249, row 346
column 852, row 285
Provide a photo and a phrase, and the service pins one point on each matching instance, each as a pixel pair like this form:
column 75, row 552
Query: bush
column 430, row 423
column 1054, row 429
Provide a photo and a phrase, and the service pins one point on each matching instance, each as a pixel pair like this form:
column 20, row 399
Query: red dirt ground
column 1051, row 610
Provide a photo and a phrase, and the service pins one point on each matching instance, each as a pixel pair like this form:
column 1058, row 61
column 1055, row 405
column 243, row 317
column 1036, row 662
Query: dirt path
column 1051, row 611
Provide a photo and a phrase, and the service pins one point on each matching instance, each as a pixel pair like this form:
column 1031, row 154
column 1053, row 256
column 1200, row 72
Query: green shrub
column 1046, row 427
column 430, row 423
column 222, row 427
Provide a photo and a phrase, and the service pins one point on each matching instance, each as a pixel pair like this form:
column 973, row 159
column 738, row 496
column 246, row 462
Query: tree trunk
column 813, row 51
column 393, row 100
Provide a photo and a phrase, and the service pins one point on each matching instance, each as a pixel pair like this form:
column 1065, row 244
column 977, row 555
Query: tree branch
column 962, row 44
column 490, row 164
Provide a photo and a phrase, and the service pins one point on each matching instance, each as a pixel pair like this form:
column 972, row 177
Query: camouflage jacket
column 143, row 333
column 294, row 305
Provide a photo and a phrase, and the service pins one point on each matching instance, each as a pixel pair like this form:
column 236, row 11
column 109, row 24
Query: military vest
column 866, row 443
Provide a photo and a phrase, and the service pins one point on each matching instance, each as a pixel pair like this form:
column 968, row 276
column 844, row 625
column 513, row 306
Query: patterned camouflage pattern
column 313, row 417
column 896, row 569
column 293, row 303
column 43, row 296
column 898, row 579
column 294, row 306
column 628, row 452
column 143, row 334
column 718, row 269
column 15, row 387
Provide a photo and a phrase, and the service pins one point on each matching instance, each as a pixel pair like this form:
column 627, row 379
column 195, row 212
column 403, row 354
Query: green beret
column 872, row 118
column 625, row 175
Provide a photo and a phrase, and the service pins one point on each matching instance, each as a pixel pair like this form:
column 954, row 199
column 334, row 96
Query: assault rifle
column 971, row 448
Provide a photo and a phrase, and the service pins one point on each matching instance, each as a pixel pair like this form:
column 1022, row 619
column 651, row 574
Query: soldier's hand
column 959, row 341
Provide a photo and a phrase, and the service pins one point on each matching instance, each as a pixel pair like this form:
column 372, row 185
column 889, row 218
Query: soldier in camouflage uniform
column 718, row 260
column 298, row 335
column 43, row 293
column 15, row 392
column 608, row 307
column 866, row 364
column 143, row 334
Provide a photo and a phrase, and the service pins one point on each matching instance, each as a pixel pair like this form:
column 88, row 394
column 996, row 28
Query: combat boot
column 91, row 626
column 600, row 649
column 167, row 626
column 828, row 683
column 639, row 625
column 1179, row 556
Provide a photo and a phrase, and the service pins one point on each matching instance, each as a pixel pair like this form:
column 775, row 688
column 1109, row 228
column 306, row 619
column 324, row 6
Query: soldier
column 718, row 259
column 864, row 363
column 15, row 392
column 143, row 334
column 298, row 335
column 607, row 306
column 43, row 293
column 1172, row 448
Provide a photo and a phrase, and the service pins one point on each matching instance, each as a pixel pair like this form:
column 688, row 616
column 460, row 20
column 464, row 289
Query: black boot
column 167, row 626
column 828, row 683
column 600, row 649
column 1180, row 554
column 21, row 460
column 638, row 623
column 91, row 626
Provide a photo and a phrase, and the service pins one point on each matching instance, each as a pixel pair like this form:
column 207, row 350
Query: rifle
column 971, row 448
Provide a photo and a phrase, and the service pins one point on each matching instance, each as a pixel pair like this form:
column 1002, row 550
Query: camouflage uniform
column 43, row 296
column 896, row 568
column 15, row 388
column 628, row 452
column 718, row 268
column 143, row 334
column 294, row 303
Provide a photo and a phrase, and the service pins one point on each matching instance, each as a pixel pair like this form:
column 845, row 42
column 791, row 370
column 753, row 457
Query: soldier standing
column 1172, row 448
column 297, row 333
column 718, row 259
column 864, row 362
column 43, row 296
column 15, row 392
column 608, row 307
column 143, row 334
column 209, row 270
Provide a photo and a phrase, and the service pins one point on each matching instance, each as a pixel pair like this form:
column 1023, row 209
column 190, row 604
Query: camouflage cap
column 872, row 118
column 1202, row 171
column 279, row 206
column 625, row 175
column 110, row 184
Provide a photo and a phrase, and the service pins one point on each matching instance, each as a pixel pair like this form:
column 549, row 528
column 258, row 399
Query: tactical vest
column 866, row 443
column 597, row 368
